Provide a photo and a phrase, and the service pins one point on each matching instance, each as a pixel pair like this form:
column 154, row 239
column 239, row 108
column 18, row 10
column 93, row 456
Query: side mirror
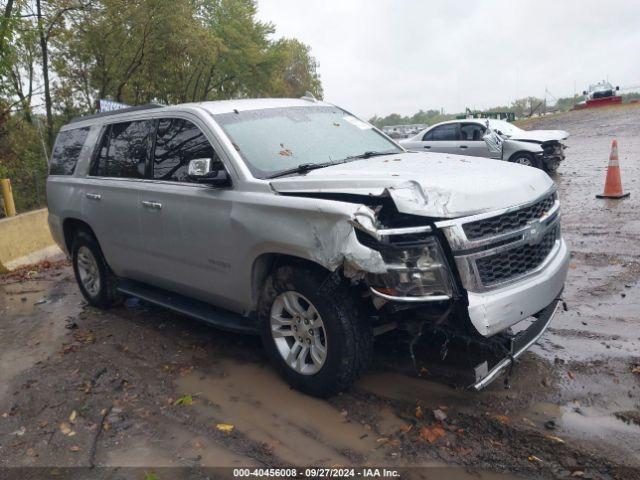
column 584, row 92
column 200, row 171
column 617, row 88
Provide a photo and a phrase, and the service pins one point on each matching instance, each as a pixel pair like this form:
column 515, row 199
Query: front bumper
column 515, row 346
column 496, row 310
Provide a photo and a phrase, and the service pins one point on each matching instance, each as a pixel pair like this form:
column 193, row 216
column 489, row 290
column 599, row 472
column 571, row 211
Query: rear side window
column 445, row 132
column 179, row 141
column 124, row 150
column 66, row 151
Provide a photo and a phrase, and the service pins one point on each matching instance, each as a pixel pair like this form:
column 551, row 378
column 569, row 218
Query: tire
column 96, row 280
column 343, row 331
column 552, row 168
column 523, row 158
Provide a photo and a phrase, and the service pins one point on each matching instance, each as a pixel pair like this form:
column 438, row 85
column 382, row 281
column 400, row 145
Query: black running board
column 197, row 309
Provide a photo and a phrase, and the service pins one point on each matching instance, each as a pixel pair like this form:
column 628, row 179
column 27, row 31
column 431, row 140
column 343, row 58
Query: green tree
column 297, row 71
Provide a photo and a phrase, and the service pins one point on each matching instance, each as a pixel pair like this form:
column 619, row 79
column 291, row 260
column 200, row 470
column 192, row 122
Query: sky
column 380, row 57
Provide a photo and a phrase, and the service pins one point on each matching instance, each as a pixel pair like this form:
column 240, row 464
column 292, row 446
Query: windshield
column 273, row 140
column 503, row 127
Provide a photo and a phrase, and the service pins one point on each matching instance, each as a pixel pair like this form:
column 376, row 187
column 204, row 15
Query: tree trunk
column 4, row 26
column 45, row 75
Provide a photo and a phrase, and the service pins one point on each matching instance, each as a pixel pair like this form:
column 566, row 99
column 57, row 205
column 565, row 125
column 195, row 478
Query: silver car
column 296, row 220
column 535, row 148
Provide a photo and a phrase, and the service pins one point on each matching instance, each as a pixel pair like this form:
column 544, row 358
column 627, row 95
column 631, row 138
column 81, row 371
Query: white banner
column 109, row 106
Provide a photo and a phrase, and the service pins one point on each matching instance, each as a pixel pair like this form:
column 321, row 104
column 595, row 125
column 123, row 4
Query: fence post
column 7, row 195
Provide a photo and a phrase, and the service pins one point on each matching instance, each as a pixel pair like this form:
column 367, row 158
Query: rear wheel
column 312, row 331
column 96, row 280
column 526, row 159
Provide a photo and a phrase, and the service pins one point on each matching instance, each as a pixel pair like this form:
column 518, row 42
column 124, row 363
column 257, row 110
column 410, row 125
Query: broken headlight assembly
column 417, row 269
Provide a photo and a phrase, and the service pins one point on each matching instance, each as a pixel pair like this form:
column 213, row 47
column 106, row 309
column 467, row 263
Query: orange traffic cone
column 613, row 184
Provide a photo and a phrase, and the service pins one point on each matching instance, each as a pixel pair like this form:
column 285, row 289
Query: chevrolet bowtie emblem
column 534, row 235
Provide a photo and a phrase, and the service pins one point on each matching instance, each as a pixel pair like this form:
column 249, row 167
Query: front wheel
column 526, row 159
column 312, row 331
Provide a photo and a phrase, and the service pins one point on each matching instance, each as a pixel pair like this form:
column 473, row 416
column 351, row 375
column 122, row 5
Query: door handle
column 93, row 196
column 427, row 146
column 462, row 146
column 152, row 205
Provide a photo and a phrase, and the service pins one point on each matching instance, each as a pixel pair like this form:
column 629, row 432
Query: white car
column 481, row 137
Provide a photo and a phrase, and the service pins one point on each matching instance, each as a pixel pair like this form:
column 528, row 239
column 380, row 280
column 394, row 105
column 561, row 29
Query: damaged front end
column 552, row 154
column 424, row 292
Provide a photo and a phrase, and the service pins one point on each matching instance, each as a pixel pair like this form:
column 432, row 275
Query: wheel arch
column 519, row 152
column 266, row 263
column 70, row 228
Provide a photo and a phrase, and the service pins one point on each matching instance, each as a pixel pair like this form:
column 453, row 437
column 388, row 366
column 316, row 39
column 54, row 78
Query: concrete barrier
column 25, row 239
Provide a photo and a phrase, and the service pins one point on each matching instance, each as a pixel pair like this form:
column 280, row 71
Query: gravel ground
column 138, row 386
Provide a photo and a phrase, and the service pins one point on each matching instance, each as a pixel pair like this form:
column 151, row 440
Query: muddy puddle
column 298, row 429
column 579, row 421
column 184, row 450
column 30, row 324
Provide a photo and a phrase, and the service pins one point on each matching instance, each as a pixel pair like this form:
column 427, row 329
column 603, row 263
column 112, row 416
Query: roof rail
column 308, row 96
column 116, row 112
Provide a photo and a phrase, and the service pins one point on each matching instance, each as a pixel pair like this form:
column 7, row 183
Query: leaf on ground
column 571, row 375
column 184, row 400
column 439, row 415
column 635, row 369
column 225, row 427
column 432, row 434
column 553, row 438
column 418, row 413
column 151, row 476
column 503, row 419
column 72, row 417
column 65, row 428
column 533, row 458
column 74, row 448
column 406, row 428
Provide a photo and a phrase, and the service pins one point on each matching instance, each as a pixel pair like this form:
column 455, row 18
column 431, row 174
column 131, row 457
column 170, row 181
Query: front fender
column 511, row 147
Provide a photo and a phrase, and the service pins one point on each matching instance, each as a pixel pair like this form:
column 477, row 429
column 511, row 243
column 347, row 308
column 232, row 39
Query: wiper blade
column 369, row 154
column 306, row 167
column 302, row 168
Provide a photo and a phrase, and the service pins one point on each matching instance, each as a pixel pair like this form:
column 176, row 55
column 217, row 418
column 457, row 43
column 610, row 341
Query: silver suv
column 296, row 220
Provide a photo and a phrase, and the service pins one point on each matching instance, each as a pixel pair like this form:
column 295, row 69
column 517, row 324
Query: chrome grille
column 493, row 250
column 517, row 261
column 506, row 222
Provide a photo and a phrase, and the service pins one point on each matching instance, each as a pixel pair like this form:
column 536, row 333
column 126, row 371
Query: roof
column 227, row 106
column 214, row 107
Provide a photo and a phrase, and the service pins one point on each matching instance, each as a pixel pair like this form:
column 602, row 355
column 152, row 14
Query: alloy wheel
column 88, row 271
column 298, row 332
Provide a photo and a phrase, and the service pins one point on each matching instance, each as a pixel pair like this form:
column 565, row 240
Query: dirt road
column 139, row 386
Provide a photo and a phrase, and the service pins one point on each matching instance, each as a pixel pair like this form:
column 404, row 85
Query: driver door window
column 179, row 141
column 471, row 137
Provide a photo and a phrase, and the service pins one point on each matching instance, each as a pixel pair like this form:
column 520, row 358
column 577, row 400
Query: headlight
column 415, row 270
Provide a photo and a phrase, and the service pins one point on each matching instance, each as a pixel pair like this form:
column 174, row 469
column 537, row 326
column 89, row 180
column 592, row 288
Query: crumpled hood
column 427, row 184
column 541, row 135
